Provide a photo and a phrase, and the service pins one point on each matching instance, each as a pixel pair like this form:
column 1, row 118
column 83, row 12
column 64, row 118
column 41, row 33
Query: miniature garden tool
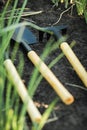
column 62, row 92
column 57, row 32
column 22, row 91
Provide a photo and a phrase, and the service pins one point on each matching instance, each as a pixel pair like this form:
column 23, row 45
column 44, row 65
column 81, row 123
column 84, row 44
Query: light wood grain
column 74, row 61
column 62, row 92
column 22, row 91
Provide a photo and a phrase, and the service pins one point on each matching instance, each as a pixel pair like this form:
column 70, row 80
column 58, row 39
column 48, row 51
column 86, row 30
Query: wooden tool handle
column 22, row 91
column 63, row 93
column 76, row 64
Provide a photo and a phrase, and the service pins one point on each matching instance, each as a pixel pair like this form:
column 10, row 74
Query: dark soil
column 72, row 117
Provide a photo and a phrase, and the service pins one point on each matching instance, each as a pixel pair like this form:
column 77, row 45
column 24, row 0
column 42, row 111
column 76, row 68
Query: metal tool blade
column 27, row 36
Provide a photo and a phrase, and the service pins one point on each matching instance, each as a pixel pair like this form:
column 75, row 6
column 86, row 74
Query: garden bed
column 71, row 117
column 64, row 117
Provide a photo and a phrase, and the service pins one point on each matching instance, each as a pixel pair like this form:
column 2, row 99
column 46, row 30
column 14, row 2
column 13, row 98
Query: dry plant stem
column 74, row 61
column 77, row 86
column 22, row 91
column 62, row 92
column 62, row 14
column 25, row 14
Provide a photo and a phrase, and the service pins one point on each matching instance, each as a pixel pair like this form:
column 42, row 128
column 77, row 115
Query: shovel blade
column 27, row 36
column 57, row 32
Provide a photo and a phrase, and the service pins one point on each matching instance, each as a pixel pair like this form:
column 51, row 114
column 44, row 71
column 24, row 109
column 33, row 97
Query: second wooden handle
column 62, row 92
column 74, row 61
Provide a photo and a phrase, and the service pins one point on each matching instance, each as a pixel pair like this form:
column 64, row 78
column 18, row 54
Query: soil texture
column 74, row 116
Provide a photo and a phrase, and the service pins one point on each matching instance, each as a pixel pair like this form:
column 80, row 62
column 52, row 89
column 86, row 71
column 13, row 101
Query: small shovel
column 20, row 37
column 58, row 32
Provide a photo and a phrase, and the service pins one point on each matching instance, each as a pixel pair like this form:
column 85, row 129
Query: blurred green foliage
column 81, row 6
